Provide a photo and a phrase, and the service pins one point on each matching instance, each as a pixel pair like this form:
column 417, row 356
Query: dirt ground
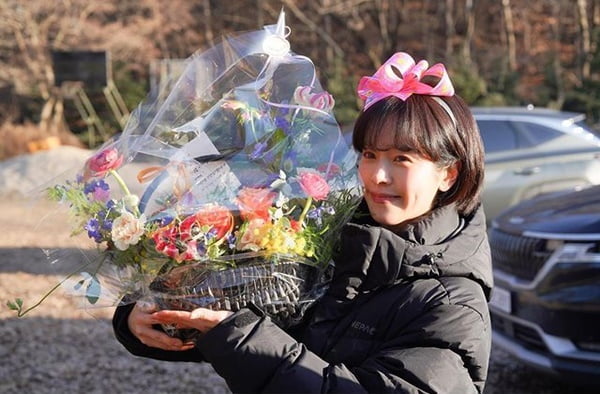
column 60, row 348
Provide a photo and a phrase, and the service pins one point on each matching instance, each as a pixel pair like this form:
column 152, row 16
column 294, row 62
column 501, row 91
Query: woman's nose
column 381, row 174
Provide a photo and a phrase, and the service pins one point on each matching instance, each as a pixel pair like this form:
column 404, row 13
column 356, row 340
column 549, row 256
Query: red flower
column 314, row 185
column 165, row 239
column 255, row 203
column 102, row 162
column 295, row 225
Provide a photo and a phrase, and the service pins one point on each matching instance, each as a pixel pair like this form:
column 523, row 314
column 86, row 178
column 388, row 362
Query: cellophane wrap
column 229, row 188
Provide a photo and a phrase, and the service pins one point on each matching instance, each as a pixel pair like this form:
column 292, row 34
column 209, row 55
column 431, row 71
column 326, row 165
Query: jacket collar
column 440, row 244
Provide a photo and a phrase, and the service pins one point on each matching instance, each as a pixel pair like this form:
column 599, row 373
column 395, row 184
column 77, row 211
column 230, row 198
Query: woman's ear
column 449, row 176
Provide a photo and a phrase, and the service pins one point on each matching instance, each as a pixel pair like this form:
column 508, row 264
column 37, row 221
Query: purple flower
column 93, row 229
column 91, row 187
column 99, row 190
column 284, row 110
column 211, row 234
column 230, row 238
column 317, row 213
column 258, row 150
column 283, row 124
column 289, row 161
column 165, row 221
column 107, row 225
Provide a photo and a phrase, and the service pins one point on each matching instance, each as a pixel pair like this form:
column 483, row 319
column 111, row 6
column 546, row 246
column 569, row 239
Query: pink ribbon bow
column 401, row 77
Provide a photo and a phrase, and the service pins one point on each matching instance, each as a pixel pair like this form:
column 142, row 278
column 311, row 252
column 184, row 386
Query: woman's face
column 399, row 185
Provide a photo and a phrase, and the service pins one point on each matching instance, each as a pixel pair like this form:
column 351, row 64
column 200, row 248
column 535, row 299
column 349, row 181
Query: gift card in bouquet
column 196, row 175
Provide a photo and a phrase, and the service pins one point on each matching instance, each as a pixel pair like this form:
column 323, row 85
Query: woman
column 406, row 310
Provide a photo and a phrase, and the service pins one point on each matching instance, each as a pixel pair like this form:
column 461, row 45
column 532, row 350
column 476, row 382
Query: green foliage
column 132, row 85
column 502, row 84
column 585, row 99
column 492, row 100
column 468, row 83
column 342, row 85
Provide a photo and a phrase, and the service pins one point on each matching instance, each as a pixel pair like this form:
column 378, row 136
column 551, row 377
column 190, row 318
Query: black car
column 546, row 300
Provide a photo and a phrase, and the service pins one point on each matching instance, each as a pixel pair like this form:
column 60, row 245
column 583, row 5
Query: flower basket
column 282, row 286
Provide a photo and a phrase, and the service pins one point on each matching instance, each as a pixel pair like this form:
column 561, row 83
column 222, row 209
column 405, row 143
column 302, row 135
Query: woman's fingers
column 201, row 319
column 140, row 323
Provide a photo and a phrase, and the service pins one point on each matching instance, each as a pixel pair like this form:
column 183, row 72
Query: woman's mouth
column 381, row 198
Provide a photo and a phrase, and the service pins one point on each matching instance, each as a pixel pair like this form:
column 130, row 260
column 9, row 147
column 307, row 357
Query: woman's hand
column 201, row 319
column 140, row 323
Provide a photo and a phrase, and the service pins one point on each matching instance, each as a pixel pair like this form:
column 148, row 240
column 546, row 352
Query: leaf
column 92, row 292
column 79, row 284
column 17, row 305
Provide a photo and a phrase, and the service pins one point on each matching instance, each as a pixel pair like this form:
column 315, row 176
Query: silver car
column 533, row 151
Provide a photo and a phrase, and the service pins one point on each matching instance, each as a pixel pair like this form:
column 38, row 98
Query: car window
column 534, row 134
column 497, row 135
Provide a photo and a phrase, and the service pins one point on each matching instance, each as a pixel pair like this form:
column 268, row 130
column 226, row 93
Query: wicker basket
column 282, row 287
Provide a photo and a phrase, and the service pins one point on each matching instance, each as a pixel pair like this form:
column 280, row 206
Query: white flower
column 127, row 230
column 131, row 201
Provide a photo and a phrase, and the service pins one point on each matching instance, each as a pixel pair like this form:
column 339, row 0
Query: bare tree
column 450, row 30
column 556, row 49
column 585, row 49
column 509, row 32
column 470, row 30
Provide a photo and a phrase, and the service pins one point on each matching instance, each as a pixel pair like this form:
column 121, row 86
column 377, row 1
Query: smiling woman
column 400, row 186
column 406, row 308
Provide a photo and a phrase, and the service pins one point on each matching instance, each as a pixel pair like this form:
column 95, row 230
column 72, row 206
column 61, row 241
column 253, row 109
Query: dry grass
column 18, row 139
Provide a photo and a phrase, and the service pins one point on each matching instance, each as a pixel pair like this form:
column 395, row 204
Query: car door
column 524, row 159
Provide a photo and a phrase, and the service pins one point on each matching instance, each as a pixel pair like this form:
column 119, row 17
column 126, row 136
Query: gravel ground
column 60, row 348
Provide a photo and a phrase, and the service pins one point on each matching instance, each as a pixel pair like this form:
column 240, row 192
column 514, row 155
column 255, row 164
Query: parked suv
column 534, row 151
column 545, row 303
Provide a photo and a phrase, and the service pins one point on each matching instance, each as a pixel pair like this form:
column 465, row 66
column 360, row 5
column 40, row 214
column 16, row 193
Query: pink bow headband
column 401, row 77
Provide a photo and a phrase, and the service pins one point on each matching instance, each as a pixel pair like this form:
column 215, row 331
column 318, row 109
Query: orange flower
column 255, row 203
column 217, row 217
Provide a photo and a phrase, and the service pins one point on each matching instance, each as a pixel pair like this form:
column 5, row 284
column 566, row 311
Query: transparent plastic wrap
column 230, row 188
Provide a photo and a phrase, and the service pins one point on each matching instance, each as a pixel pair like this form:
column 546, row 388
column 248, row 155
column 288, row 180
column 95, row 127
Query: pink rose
column 102, row 162
column 323, row 101
column 313, row 185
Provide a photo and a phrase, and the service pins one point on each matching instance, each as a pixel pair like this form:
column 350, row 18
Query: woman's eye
column 368, row 154
column 401, row 158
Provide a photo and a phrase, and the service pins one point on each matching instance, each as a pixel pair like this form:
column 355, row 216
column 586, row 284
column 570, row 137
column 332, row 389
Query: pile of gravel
column 22, row 176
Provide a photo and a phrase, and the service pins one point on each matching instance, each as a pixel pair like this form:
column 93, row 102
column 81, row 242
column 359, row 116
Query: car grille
column 520, row 256
column 524, row 335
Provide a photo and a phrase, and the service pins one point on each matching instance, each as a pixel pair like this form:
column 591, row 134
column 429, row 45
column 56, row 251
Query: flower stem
column 120, row 181
column 21, row 313
column 305, row 210
column 124, row 187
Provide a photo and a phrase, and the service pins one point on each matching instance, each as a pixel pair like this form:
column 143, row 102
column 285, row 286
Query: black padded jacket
column 405, row 312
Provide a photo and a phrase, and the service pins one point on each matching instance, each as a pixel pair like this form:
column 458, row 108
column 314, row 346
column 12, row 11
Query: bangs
column 396, row 124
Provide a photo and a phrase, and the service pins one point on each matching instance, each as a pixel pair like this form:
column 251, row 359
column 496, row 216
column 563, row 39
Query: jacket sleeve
column 137, row 348
column 253, row 355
